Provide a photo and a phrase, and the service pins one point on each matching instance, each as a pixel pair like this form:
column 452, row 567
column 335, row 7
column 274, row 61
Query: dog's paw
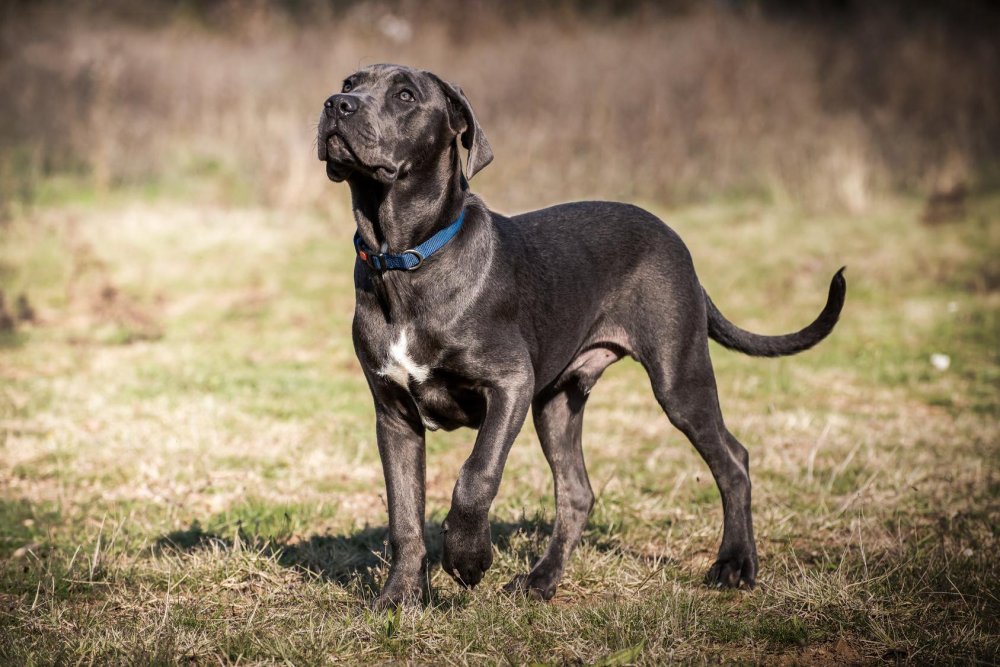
column 734, row 568
column 393, row 597
column 533, row 586
column 468, row 550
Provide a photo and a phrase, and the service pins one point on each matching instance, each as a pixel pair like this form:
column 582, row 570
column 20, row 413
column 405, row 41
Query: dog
column 467, row 318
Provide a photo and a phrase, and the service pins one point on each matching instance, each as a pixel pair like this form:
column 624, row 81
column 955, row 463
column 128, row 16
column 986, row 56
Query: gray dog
column 465, row 317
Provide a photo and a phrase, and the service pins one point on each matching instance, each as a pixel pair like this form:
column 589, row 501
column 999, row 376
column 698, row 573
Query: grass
column 188, row 469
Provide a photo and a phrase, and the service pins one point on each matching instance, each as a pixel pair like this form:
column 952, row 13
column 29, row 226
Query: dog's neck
column 409, row 210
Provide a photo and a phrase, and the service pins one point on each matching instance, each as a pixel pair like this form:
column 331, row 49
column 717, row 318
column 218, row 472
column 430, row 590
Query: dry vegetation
column 187, row 461
column 665, row 106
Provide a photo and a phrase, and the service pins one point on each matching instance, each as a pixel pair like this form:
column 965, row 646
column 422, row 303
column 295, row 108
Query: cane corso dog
column 465, row 317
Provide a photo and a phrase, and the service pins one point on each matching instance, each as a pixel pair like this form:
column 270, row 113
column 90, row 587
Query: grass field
column 188, row 469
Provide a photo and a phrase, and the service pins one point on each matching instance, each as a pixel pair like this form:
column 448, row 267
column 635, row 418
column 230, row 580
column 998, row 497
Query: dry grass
column 212, row 493
column 652, row 105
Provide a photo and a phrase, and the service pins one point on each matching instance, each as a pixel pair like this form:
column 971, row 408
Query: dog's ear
column 463, row 120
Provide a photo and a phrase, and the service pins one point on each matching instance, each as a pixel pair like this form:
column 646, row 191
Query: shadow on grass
column 354, row 559
column 342, row 557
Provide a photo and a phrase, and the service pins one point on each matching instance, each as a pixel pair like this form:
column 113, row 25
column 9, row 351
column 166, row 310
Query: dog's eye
column 347, row 87
column 406, row 95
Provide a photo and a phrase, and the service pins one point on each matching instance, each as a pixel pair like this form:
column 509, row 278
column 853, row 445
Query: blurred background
column 830, row 104
column 188, row 466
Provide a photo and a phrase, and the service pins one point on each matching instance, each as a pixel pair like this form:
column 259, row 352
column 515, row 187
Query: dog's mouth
column 342, row 161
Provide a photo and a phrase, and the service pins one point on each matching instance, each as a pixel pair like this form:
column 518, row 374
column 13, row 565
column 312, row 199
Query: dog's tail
column 731, row 336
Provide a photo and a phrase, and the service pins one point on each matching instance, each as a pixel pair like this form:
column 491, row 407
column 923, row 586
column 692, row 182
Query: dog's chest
column 408, row 357
column 399, row 363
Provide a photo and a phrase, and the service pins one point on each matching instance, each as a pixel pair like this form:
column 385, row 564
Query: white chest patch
column 400, row 367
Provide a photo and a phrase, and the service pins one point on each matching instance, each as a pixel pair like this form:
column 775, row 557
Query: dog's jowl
column 465, row 317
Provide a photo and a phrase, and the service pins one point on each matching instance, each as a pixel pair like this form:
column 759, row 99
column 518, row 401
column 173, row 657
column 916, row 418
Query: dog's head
column 388, row 121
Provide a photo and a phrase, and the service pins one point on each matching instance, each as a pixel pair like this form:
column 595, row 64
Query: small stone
column 940, row 361
column 25, row 550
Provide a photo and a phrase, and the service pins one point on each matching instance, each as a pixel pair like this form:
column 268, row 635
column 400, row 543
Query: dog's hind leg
column 559, row 423
column 558, row 417
column 684, row 385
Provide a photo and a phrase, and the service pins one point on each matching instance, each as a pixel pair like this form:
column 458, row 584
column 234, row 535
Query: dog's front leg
column 401, row 447
column 468, row 550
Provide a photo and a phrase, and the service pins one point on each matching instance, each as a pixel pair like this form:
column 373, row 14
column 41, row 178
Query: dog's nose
column 342, row 105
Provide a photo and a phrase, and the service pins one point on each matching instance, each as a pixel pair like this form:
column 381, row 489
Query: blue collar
column 411, row 259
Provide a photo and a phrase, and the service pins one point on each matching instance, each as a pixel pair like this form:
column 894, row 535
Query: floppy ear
column 463, row 119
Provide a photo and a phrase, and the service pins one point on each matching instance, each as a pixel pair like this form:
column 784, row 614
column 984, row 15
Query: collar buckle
column 377, row 261
column 374, row 260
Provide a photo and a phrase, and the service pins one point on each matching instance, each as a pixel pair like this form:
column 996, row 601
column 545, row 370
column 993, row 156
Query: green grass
column 188, row 469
